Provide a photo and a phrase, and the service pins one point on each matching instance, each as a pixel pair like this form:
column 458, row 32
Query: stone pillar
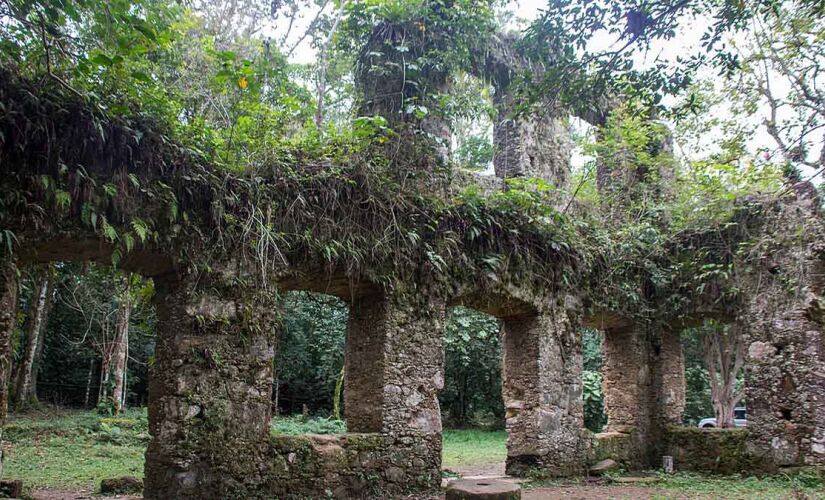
column 541, row 385
column 394, row 370
column 534, row 145
column 627, row 387
column 784, row 328
column 210, row 390
column 671, row 378
column 785, row 384
column 8, row 319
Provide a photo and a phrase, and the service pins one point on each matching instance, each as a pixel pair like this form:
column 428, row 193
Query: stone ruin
column 211, row 384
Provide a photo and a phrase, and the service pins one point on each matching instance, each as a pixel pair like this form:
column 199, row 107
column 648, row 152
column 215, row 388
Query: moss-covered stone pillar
column 8, row 319
column 394, row 370
column 401, row 80
column 542, row 389
column 210, row 389
column 627, row 387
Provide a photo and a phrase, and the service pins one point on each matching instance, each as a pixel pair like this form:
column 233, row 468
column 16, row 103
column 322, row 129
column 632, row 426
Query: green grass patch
column 473, row 446
column 73, row 449
column 808, row 485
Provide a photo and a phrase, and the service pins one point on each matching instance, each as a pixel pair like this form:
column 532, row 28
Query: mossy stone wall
column 718, row 451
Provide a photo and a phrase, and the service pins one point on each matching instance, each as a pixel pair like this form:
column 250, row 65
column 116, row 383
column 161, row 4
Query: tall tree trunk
column 724, row 354
column 120, row 350
column 105, row 364
column 89, row 383
column 336, row 397
column 25, row 393
column 8, row 322
column 321, row 83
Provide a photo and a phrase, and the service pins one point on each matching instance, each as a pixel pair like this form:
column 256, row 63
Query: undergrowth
column 299, row 424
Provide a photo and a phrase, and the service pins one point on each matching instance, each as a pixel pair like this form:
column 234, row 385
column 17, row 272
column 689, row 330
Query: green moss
column 364, row 442
column 720, row 451
column 614, row 445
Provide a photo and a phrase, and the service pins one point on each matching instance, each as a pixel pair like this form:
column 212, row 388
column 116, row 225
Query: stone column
column 627, row 386
column 8, row 319
column 785, row 383
column 541, row 385
column 533, row 145
column 784, row 328
column 394, row 370
column 671, row 378
column 210, row 390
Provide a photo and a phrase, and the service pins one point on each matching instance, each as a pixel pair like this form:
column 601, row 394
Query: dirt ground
column 51, row 494
column 555, row 493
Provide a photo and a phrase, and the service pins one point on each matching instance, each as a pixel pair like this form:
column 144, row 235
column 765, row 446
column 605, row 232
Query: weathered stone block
column 125, row 485
column 483, row 489
column 604, row 466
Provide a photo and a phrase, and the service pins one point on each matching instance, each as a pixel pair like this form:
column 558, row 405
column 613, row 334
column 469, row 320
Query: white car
column 739, row 419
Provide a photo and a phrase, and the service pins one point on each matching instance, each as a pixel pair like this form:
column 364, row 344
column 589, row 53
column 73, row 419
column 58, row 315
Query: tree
column 597, row 49
column 723, row 348
column 783, row 79
column 120, row 354
column 472, row 370
column 25, row 392
column 8, row 322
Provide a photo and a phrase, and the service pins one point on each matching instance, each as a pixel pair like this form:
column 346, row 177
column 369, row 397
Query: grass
column 76, row 450
column 473, row 447
column 804, row 485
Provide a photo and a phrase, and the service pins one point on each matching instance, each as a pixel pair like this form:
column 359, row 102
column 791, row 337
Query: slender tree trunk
column 8, row 322
column 89, row 383
column 321, row 84
column 336, row 398
column 25, row 393
column 119, row 352
column 105, row 369
column 724, row 354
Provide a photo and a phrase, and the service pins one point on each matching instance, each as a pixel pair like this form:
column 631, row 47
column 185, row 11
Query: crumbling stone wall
column 719, row 451
column 344, row 466
column 785, row 338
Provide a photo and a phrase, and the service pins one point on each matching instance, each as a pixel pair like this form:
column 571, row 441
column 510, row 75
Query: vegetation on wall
column 151, row 125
